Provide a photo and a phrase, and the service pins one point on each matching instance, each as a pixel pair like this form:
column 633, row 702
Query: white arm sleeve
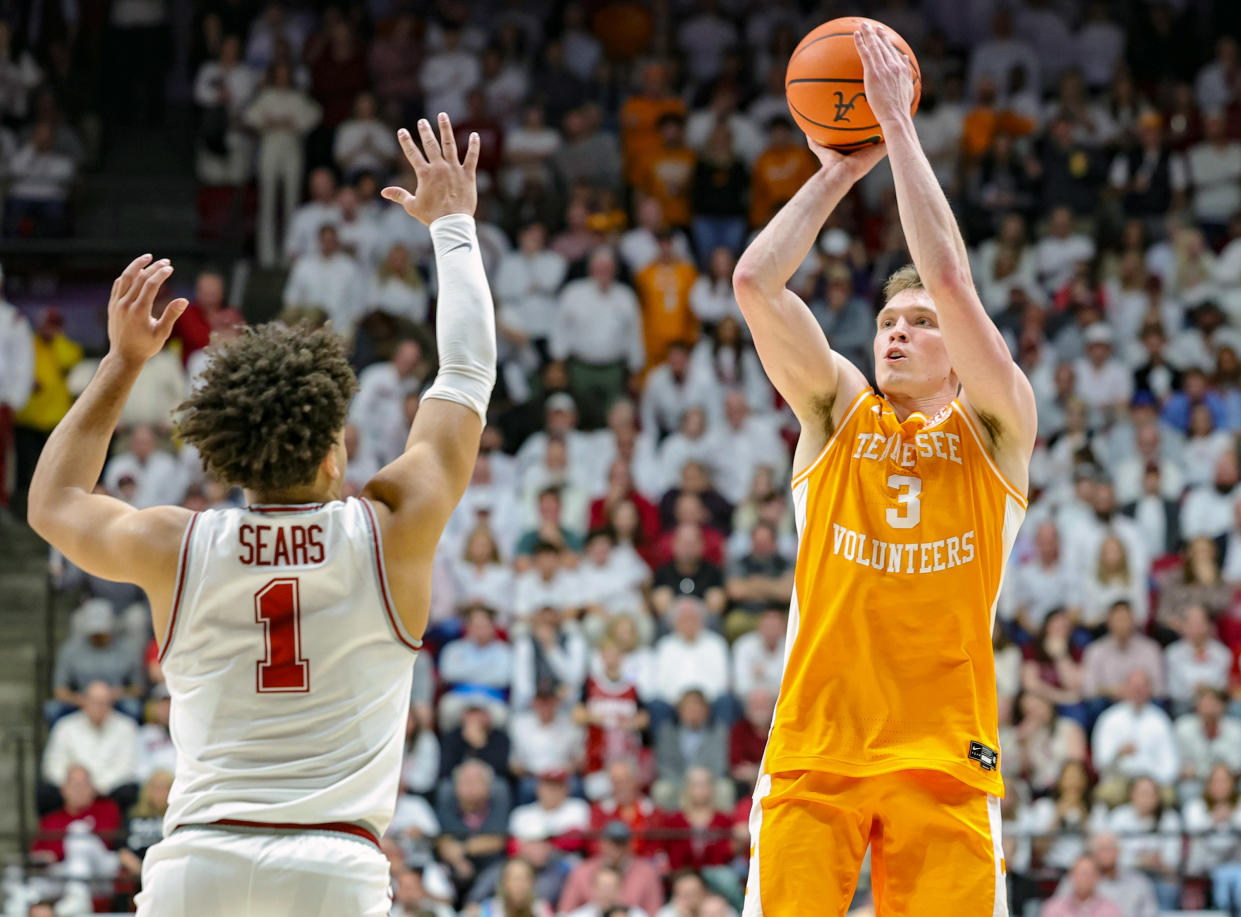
column 465, row 326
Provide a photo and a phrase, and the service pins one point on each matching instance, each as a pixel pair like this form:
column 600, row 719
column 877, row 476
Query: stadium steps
column 24, row 611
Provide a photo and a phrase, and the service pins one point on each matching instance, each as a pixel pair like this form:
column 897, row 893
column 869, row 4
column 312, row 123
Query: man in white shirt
column 599, row 334
column 359, row 232
column 449, row 73
column 158, row 476
column 750, row 441
column 544, row 739
column 1058, row 253
column 671, row 388
column 526, row 285
column 1206, row 737
column 638, row 247
column 16, row 377
column 703, row 39
column 1215, row 174
column 38, row 187
column 328, row 281
column 748, row 140
column 1197, row 660
column 1103, row 382
column 303, row 229
column 1209, row 510
column 364, row 143
column 378, row 409
column 547, row 584
column 1129, row 473
column 554, row 813
column 98, row 738
column 1134, row 738
column 1038, row 584
column 1214, row 87
column 689, row 657
column 758, row 657
column 1046, row 30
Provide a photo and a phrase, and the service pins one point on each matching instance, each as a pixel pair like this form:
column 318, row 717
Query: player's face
column 910, row 357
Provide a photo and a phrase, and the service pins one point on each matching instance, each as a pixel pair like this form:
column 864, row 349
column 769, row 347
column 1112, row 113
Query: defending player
column 906, row 505
column 288, row 628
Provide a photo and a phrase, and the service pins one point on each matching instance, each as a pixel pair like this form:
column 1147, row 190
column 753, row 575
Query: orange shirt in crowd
column 639, row 123
column 663, row 292
column 669, row 178
column 777, row 175
column 983, row 123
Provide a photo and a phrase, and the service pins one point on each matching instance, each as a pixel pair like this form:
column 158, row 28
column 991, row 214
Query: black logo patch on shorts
column 987, row 758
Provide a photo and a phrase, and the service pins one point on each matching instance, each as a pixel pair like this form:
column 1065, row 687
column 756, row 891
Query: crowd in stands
column 610, row 600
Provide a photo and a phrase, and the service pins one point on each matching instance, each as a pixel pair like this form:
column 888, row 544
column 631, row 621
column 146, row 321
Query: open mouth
column 894, row 355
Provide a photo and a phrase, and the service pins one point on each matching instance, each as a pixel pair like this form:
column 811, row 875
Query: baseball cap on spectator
column 561, row 401
column 96, row 617
column 834, row 242
column 617, row 831
column 1098, row 333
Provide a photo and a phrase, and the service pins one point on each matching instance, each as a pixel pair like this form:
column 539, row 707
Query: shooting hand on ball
column 887, row 77
column 854, row 165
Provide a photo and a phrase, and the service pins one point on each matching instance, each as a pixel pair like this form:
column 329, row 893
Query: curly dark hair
column 270, row 405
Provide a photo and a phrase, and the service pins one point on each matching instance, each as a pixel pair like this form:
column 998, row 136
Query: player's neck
column 928, row 406
column 293, row 496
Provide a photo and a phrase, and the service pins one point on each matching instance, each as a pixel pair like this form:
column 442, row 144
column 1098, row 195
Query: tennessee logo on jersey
column 904, row 533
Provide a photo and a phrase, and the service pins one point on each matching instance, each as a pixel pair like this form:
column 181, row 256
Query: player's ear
column 332, row 466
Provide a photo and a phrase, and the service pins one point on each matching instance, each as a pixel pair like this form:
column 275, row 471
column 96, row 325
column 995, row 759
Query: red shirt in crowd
column 697, row 848
column 103, row 815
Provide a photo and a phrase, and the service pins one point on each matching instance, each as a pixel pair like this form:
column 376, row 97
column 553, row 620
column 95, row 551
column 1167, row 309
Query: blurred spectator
column 39, row 182
column 553, row 813
column 551, row 866
column 145, row 828
column 476, row 668
column 720, row 185
column 364, row 143
column 16, row 378
column 1060, row 250
column 1198, row 581
column 103, row 741
column 998, row 57
column 516, row 893
column 395, row 59
column 606, row 897
column 1150, row 838
column 282, row 115
column 19, row 75
column 482, row 575
column 758, row 656
column 1039, row 583
column 783, row 167
column 326, row 284
column 640, row 886
column 1082, row 896
column 612, row 714
column 689, row 891
column 1215, row 176
column 397, row 289
column 688, row 576
column 1060, row 820
column 208, row 311
column 1149, row 175
column 693, row 740
column 222, row 90
column 640, row 246
column 1197, row 660
column 448, row 73
column 1133, row 739
column 473, row 811
column 1128, row 889
column 156, row 475
column 700, row 835
column 1111, row 580
column 760, row 580
column 599, row 334
column 410, row 898
column 79, row 827
column 848, row 320
column 475, row 738
column 378, row 410
column 671, row 388
column 711, row 297
column 1206, row 737
column 748, row 737
column 641, row 118
column 589, row 155
column 302, row 236
column 1041, row 743
column 1109, row 661
column 526, row 286
column 95, row 652
column 667, row 172
column 337, row 62
column 544, row 738
column 1051, row 670
column 663, row 288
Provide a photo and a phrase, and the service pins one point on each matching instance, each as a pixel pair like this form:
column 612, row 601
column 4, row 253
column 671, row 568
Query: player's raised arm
column 418, row 491
column 104, row 536
column 791, row 345
column 994, row 385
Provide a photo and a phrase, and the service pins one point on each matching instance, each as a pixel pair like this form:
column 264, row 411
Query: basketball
column 823, row 85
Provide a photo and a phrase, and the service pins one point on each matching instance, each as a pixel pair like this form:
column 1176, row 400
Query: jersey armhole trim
column 831, row 440
column 182, row 565
column 381, row 572
column 1008, row 485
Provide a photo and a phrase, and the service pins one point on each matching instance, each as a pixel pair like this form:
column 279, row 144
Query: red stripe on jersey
column 383, row 580
column 176, row 598
column 339, row 827
column 293, row 508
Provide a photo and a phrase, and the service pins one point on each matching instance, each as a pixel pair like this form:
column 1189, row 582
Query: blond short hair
column 906, row 278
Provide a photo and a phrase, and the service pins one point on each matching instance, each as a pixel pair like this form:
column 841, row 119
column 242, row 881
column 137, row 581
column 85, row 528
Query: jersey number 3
column 909, row 490
column 283, row 671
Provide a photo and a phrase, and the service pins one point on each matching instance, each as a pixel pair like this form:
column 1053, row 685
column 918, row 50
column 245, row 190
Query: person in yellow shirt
column 669, row 173
column 907, row 504
column 50, row 399
column 663, row 293
column 782, row 168
column 639, row 120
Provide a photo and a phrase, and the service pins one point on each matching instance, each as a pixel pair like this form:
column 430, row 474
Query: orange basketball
column 823, row 85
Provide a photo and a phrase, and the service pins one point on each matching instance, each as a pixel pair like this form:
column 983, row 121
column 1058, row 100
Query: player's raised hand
column 134, row 333
column 445, row 184
column 855, row 164
column 887, row 76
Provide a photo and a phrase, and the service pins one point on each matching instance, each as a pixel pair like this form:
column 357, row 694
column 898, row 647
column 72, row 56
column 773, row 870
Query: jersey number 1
column 277, row 608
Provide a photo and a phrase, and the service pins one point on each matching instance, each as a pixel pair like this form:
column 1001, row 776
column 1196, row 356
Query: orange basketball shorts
column 934, row 845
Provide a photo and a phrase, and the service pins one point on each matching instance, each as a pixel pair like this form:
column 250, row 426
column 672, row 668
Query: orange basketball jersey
column 904, row 533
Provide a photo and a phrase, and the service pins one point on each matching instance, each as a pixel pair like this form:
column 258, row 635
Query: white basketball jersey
column 288, row 667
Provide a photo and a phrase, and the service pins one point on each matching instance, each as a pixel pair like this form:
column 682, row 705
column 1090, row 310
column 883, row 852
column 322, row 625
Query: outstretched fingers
column 152, row 279
column 448, row 141
column 430, row 146
column 410, row 149
column 121, row 286
column 172, row 312
column 471, row 155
